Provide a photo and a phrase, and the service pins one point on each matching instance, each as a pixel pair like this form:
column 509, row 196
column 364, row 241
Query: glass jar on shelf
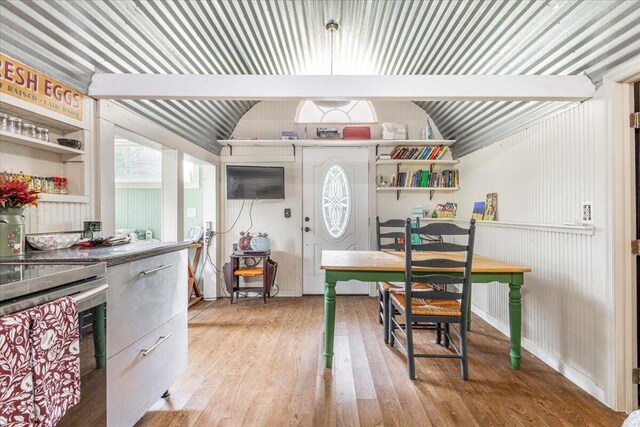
column 29, row 130
column 14, row 125
column 4, row 121
column 42, row 134
column 37, row 184
column 50, row 185
column 63, row 186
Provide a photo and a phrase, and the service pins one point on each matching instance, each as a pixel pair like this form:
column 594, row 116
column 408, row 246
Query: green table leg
column 515, row 318
column 99, row 337
column 329, row 320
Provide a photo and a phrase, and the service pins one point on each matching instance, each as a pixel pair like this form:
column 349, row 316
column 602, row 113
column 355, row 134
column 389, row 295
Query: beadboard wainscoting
column 53, row 217
column 541, row 175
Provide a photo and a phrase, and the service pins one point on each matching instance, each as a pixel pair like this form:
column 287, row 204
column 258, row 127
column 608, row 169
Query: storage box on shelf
column 37, row 157
column 427, row 153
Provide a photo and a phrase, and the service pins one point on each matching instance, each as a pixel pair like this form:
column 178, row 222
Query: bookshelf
column 423, row 158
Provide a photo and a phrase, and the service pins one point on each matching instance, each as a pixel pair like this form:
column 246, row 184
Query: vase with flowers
column 15, row 195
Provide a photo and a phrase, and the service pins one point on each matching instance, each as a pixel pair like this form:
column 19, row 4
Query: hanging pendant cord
column 331, row 47
column 332, row 27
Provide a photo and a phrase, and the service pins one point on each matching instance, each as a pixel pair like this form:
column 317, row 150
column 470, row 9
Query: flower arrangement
column 15, row 192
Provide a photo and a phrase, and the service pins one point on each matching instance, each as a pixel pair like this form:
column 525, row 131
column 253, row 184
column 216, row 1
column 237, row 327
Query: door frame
column 636, row 105
column 620, row 227
column 372, row 209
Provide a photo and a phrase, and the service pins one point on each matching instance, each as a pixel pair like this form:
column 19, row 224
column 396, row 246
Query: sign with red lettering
column 20, row 81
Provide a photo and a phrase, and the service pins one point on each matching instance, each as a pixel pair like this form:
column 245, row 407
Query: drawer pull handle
column 153, row 270
column 160, row 341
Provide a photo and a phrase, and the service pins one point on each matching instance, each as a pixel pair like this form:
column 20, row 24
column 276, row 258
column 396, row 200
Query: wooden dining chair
column 439, row 305
column 385, row 288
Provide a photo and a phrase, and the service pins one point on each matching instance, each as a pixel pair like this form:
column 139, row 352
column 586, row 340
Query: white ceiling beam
column 325, row 87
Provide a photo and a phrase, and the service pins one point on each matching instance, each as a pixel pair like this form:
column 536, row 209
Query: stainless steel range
column 26, row 286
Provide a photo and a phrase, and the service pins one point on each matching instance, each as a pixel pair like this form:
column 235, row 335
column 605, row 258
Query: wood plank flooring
column 261, row 365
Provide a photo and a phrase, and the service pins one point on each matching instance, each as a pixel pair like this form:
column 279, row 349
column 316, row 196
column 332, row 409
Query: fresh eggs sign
column 20, row 81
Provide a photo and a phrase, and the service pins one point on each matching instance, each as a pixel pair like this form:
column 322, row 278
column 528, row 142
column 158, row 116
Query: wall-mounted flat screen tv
column 255, row 182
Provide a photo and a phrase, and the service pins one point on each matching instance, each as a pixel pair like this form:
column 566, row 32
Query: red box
column 356, row 132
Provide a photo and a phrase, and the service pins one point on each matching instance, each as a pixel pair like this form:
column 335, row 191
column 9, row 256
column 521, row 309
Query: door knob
column 307, row 229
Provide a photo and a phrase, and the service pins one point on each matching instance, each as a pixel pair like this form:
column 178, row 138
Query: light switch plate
column 191, row 212
column 287, row 213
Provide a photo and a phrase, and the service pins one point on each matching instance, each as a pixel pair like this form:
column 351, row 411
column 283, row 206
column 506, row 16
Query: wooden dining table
column 379, row 266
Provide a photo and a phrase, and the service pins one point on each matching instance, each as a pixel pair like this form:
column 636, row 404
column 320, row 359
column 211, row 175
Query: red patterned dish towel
column 16, row 378
column 55, row 348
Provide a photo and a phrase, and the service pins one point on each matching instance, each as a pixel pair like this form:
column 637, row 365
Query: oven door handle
column 88, row 299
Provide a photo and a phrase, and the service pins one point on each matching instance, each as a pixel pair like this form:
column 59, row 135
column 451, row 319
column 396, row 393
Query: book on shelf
column 419, row 153
column 478, row 210
column 424, row 178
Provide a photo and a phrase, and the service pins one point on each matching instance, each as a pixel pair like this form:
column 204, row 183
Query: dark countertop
column 111, row 255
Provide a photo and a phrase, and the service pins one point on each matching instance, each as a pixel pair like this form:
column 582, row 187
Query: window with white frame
column 335, row 112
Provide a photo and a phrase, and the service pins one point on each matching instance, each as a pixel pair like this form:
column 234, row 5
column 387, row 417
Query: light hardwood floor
column 261, row 365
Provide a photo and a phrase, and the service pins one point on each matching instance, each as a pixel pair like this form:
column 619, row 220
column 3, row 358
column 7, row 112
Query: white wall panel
column 266, row 120
column 541, row 175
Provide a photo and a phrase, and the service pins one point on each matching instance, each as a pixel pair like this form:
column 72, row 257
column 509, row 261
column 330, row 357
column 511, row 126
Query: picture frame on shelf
column 491, row 207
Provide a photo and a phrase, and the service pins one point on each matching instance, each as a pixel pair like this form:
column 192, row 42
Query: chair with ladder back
column 385, row 288
column 439, row 305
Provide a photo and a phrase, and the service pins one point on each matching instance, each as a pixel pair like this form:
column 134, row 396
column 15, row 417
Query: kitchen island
column 146, row 314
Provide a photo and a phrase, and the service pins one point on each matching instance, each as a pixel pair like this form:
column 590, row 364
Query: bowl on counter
column 70, row 143
column 49, row 242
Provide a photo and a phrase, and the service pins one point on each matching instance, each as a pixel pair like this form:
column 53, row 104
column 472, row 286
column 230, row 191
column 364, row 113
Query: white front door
column 335, row 206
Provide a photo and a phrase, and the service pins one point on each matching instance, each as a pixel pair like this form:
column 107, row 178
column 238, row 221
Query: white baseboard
column 571, row 373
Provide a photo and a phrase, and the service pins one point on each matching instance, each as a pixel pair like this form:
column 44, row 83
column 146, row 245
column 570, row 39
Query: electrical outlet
column 587, row 213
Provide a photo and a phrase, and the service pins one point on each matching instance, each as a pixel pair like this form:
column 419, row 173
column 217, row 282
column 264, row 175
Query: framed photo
column 491, row 207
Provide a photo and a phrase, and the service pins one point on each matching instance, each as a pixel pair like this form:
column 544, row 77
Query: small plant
column 15, row 192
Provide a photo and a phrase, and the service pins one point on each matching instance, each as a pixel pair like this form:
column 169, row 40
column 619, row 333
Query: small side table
column 232, row 272
column 194, row 294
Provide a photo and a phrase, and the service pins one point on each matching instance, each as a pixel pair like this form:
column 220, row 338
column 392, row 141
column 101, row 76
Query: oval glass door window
column 336, row 201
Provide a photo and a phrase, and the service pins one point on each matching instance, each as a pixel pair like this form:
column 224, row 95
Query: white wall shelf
column 430, row 190
column 333, row 142
column 417, row 188
column 19, row 153
column 26, row 141
column 41, row 115
column 417, row 162
column 62, row 198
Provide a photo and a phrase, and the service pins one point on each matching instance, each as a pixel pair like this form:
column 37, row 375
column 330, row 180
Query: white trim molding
column 556, row 228
column 621, row 274
column 344, row 87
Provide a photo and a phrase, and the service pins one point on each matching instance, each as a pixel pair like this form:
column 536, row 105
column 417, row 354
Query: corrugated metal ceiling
column 71, row 40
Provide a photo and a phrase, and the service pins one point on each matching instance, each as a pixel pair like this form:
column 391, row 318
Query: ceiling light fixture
column 332, row 26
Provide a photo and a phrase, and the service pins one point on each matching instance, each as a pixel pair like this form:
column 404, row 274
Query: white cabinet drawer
column 135, row 380
column 143, row 295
